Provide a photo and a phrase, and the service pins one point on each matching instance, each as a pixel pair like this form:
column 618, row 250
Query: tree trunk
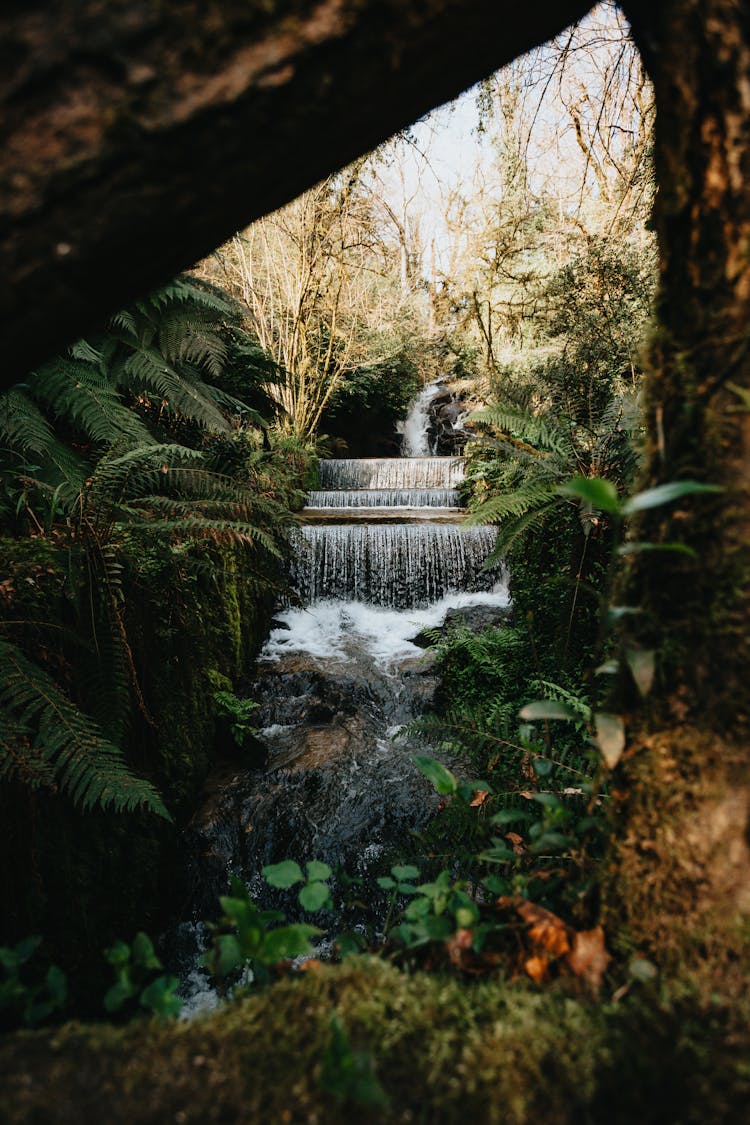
column 680, row 883
column 139, row 136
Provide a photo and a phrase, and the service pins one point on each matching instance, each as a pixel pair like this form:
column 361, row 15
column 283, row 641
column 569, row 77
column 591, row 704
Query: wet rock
column 476, row 618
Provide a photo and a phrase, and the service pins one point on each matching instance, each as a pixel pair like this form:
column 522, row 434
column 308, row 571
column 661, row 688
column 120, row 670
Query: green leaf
column 118, row 995
column 231, row 955
column 497, row 885
column 549, row 800
column 498, row 853
column 284, row 874
column 142, row 951
column 288, row 941
column 465, row 917
column 442, row 779
column 596, row 491
column 405, row 871
column 160, row 997
column 640, row 548
column 542, row 767
column 509, row 816
column 666, row 494
column 314, row 896
column 317, row 870
column 610, row 737
column 550, row 842
column 642, row 664
column 386, row 883
column 548, row 709
column 26, row 948
column 118, row 954
column 57, row 986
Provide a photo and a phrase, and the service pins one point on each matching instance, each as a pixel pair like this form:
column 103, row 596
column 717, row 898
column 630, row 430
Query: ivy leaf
column 610, row 737
column 442, row 779
column 596, row 491
column 548, row 709
column 642, row 664
column 665, row 494
column 284, row 874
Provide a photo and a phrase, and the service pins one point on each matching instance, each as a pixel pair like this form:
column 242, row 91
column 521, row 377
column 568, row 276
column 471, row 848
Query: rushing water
column 399, row 565
column 392, row 472
column 341, row 677
column 415, row 428
column 385, row 498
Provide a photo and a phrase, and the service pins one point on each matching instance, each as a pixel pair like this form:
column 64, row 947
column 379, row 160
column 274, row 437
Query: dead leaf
column 313, row 965
column 479, row 798
column 546, row 930
column 536, row 967
column 588, row 958
column 516, row 842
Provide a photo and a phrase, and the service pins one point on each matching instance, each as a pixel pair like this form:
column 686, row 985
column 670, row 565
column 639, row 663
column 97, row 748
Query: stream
column 339, row 680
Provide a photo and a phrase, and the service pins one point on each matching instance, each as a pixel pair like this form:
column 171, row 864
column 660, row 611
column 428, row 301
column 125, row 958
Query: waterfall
column 416, row 424
column 398, row 565
column 385, row 498
column 380, row 556
column 392, row 472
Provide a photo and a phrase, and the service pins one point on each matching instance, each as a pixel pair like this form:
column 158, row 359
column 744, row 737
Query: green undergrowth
column 364, row 1041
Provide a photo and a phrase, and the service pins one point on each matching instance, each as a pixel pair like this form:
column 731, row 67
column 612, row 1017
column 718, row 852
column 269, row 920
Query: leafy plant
column 138, row 979
column 248, row 938
column 238, row 712
column 315, row 894
column 47, row 741
column 29, row 1001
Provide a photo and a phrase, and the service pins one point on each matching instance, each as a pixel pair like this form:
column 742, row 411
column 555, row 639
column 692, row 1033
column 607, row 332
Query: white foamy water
column 391, row 472
column 338, row 630
column 415, row 426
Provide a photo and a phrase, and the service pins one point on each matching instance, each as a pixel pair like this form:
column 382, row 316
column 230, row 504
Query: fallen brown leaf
column 516, row 842
column 536, row 967
column 479, row 798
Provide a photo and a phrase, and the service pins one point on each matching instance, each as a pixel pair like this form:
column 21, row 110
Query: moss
column 85, row 879
column 443, row 1051
column 678, row 888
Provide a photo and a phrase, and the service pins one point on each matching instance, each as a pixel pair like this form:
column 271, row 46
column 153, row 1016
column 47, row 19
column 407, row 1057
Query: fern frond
column 145, row 372
column 84, row 765
column 530, row 495
column 75, row 390
column 540, row 432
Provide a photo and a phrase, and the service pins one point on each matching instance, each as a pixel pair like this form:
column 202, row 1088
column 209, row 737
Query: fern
column 538, row 431
column 47, row 741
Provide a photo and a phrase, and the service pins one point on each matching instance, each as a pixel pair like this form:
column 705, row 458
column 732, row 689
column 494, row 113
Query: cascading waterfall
column 385, row 498
column 341, row 677
column 415, row 427
column 392, row 472
column 398, row 565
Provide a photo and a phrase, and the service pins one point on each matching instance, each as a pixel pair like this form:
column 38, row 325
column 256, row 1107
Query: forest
column 373, row 586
